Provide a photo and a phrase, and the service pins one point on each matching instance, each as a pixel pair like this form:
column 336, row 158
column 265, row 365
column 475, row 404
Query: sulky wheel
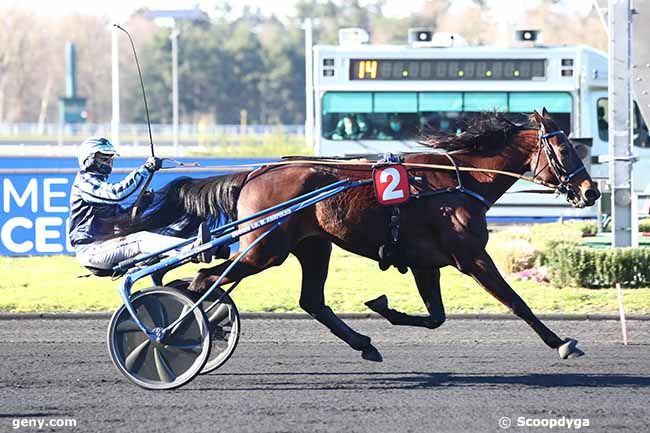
column 224, row 325
column 177, row 358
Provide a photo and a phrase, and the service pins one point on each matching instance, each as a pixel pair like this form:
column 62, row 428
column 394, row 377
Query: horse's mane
column 484, row 134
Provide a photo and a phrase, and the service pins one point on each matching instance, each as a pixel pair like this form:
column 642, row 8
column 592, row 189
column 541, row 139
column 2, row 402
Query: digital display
column 447, row 69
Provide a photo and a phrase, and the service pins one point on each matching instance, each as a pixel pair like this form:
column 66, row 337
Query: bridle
column 555, row 165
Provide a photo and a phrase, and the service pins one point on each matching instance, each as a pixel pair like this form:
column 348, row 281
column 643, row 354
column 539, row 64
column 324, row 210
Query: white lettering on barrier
column 6, row 235
column 48, row 233
column 48, row 195
column 9, row 190
column 43, row 234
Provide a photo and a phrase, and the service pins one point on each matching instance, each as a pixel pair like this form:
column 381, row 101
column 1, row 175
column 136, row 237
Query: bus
column 372, row 99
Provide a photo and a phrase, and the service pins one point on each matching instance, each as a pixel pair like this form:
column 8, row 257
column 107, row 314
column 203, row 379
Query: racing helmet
column 91, row 147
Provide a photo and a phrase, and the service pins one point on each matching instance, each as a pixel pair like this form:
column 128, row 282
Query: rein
column 338, row 163
column 554, row 164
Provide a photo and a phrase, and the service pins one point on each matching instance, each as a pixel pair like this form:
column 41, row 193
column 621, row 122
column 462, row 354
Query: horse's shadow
column 535, row 380
column 424, row 380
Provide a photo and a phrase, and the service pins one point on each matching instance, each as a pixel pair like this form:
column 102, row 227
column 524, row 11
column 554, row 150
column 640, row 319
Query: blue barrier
column 35, row 198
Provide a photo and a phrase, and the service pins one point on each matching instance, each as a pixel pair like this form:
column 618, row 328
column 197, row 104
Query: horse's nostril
column 592, row 194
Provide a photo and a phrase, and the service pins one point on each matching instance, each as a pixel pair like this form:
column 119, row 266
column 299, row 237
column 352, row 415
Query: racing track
column 292, row 375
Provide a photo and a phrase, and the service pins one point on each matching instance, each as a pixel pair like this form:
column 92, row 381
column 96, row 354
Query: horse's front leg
column 428, row 283
column 314, row 256
column 485, row 272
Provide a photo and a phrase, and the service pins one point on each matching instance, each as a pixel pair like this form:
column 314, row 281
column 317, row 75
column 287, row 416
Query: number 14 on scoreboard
column 369, row 68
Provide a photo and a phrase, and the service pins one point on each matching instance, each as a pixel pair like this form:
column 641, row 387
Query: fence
column 139, row 131
column 242, row 140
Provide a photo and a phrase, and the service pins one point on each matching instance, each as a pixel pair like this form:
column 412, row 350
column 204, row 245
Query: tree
column 227, row 63
column 27, row 66
column 283, row 85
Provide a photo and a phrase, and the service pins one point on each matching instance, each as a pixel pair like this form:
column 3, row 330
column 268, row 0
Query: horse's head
column 555, row 161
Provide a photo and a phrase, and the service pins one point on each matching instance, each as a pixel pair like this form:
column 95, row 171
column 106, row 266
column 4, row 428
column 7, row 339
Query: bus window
column 641, row 138
column 639, row 129
column 339, row 114
column 485, row 101
column 370, row 126
column 559, row 104
column 413, row 115
column 370, row 116
column 450, row 111
column 445, row 121
column 601, row 115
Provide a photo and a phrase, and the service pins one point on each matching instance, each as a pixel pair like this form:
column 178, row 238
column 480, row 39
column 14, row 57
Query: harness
column 458, row 188
column 390, row 253
column 392, row 186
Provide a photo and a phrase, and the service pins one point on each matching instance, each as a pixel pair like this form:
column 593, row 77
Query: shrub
column 520, row 247
column 592, row 227
column 545, row 235
column 512, row 254
column 589, row 228
column 558, row 247
column 644, row 225
column 572, row 264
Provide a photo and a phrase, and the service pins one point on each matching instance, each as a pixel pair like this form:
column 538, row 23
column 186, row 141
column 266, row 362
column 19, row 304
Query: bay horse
column 438, row 230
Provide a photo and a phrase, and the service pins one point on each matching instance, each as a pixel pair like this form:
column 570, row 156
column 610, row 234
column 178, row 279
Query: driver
column 96, row 206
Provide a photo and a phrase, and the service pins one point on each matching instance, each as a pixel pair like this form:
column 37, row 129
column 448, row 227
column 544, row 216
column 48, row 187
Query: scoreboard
column 447, row 69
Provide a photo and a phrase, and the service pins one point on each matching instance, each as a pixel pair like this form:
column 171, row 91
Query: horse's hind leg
column 428, row 283
column 314, row 255
column 207, row 276
column 485, row 272
column 271, row 251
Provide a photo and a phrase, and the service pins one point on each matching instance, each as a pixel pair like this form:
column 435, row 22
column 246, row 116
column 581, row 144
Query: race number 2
column 391, row 184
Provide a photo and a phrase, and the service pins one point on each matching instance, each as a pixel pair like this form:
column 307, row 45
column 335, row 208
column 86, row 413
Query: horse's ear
column 545, row 113
column 538, row 118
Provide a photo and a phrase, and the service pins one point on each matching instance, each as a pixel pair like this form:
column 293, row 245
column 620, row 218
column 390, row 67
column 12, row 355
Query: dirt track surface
column 293, row 376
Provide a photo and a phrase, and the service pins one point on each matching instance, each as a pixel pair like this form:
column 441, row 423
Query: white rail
column 8, row 130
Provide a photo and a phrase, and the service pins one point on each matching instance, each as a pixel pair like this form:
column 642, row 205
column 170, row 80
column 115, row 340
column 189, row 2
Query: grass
column 51, row 284
column 265, row 145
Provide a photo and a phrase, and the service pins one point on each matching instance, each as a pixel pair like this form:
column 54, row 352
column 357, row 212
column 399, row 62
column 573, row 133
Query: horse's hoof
column 433, row 323
column 570, row 349
column 379, row 304
column 371, row 354
column 402, row 269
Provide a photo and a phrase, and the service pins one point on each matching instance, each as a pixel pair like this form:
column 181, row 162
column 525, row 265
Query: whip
column 138, row 201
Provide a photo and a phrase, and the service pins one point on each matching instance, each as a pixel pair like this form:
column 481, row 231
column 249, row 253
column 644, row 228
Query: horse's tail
column 210, row 196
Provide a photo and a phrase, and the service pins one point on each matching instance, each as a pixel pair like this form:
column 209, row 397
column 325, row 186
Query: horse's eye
column 564, row 152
